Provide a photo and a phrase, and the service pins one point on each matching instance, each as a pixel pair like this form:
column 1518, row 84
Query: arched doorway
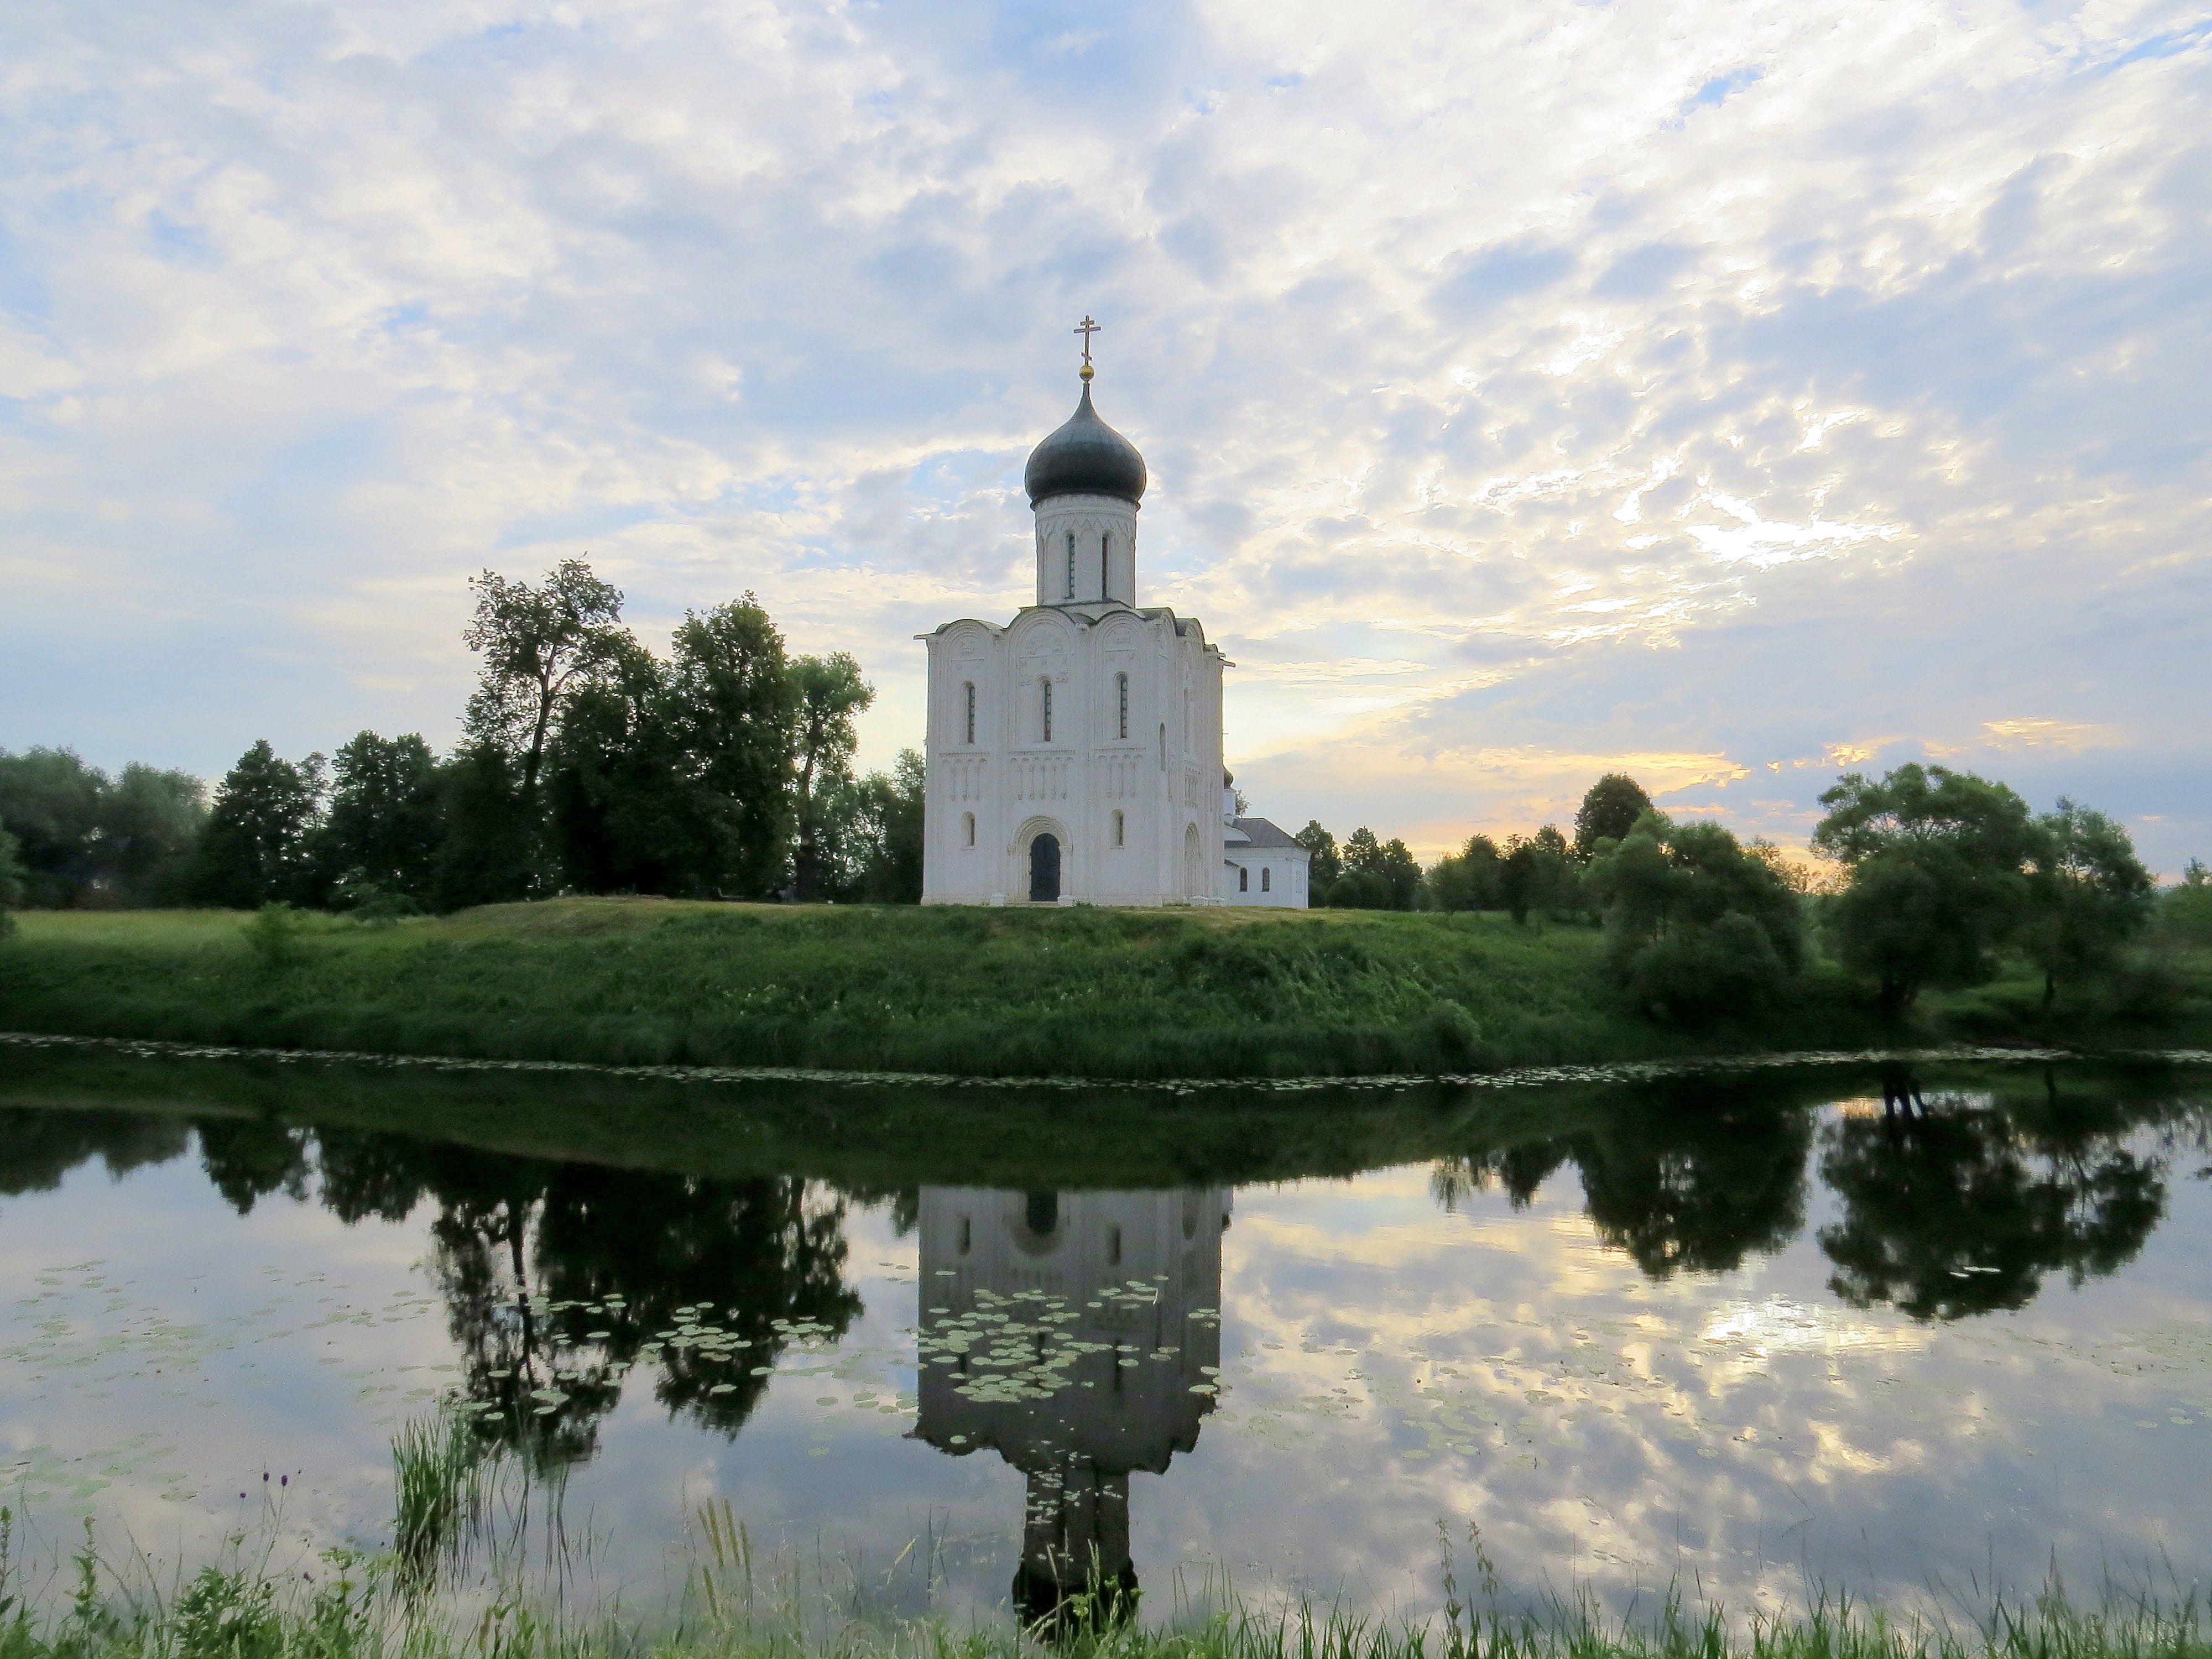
column 1044, row 869
column 1193, row 873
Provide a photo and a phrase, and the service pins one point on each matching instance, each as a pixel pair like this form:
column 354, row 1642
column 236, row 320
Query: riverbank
column 428, row 1597
column 1013, row 992
column 359, row 1608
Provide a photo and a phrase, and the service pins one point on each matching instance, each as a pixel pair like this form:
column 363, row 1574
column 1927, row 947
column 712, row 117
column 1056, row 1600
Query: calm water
column 1912, row 1335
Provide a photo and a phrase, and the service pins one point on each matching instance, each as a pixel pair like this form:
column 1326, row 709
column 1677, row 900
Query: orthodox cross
column 1086, row 329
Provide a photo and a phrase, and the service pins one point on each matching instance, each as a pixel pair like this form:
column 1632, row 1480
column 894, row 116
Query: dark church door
column 1044, row 870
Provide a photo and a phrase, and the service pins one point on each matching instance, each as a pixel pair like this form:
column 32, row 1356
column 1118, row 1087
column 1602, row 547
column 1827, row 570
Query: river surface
column 1904, row 1332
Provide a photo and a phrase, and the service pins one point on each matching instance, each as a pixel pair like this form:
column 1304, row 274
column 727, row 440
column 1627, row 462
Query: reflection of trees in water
column 39, row 1148
column 1962, row 1204
column 1699, row 1194
column 516, row 1239
column 246, row 1159
column 1951, row 1209
column 1681, row 1180
column 738, row 1255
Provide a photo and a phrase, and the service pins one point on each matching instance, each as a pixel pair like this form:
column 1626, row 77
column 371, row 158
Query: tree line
column 1937, row 876
column 1527, row 874
column 586, row 764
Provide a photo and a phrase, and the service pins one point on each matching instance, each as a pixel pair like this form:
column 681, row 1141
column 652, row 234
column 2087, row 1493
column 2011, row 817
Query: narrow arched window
column 1244, row 879
column 1118, row 827
column 968, row 829
column 967, row 716
column 1163, row 745
column 1105, row 543
column 1266, row 883
column 1071, row 564
column 1046, row 704
column 1121, row 703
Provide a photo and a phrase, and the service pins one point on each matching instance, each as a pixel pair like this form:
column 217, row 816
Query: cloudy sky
column 1730, row 392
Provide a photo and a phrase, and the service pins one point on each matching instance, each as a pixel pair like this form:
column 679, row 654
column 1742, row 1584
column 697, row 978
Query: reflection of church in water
column 1131, row 1282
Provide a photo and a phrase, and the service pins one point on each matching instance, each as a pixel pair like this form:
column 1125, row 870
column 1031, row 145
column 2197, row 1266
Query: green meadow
column 977, row 993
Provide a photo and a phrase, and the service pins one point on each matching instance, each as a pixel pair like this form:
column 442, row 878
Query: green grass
column 358, row 1608
column 437, row 1481
column 978, row 993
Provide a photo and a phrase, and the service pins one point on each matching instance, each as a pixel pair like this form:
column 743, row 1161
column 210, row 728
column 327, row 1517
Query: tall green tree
column 51, row 801
column 11, row 881
column 1469, row 879
column 487, row 836
column 1536, row 874
column 537, row 644
column 830, row 694
column 259, row 842
column 735, row 708
column 150, row 824
column 1609, row 811
column 1378, row 875
column 1938, row 864
column 380, row 840
column 1325, row 865
column 2185, row 909
column 872, row 839
column 625, row 809
column 2088, row 895
column 1697, row 926
column 88, row 838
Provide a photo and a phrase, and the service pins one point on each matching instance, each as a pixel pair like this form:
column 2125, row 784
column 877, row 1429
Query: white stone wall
column 1285, row 886
column 1007, row 781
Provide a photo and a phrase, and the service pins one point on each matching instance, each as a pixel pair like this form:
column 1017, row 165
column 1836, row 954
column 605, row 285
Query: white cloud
column 1476, row 353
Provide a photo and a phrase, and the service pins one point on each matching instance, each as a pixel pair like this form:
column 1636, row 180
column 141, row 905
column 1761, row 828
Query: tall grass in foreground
column 362, row 1605
column 438, row 1492
column 417, row 1600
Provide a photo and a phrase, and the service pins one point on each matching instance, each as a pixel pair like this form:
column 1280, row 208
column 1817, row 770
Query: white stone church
column 1074, row 753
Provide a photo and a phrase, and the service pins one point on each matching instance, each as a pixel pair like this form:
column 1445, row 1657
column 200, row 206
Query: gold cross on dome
column 1086, row 328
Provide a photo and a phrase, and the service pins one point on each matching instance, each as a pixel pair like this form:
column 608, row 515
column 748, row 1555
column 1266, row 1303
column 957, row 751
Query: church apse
column 1077, row 1335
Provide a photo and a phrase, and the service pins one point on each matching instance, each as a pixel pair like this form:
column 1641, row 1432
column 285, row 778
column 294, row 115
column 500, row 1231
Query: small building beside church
column 1074, row 753
column 1261, row 865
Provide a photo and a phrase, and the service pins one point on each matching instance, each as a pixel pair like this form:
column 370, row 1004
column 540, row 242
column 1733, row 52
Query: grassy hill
column 1069, row 992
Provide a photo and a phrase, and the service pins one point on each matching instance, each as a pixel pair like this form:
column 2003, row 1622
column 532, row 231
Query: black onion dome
column 1086, row 457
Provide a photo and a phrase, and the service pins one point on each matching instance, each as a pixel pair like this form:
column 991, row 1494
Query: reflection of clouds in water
column 1778, row 1325
column 150, row 1386
column 1513, row 1375
column 1384, row 1361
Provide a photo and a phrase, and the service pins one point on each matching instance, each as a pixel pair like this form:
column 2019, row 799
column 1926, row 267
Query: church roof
column 1086, row 457
column 1259, row 833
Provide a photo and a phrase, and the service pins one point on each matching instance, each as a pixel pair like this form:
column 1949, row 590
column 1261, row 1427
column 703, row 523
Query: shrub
column 221, row 1615
column 273, row 936
column 1694, row 975
column 1696, row 924
column 2186, row 911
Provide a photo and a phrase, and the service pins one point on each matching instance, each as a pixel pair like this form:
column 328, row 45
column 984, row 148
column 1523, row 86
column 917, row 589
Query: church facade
column 1074, row 753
